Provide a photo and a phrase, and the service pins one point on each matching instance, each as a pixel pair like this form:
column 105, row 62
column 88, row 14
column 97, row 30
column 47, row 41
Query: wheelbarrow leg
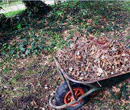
column 72, row 92
column 68, row 84
column 112, row 94
column 124, row 91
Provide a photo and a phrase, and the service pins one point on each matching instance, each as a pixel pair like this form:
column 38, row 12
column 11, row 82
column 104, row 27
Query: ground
column 28, row 75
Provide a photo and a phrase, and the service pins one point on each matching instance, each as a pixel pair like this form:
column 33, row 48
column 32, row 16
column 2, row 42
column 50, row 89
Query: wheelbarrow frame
column 95, row 85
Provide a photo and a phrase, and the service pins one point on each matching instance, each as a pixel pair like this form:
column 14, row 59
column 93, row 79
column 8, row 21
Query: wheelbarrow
column 73, row 94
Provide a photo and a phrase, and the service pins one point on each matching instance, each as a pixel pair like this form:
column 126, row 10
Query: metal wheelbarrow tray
column 92, row 86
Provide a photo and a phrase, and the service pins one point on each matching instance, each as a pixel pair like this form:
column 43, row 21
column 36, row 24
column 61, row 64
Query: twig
column 127, row 43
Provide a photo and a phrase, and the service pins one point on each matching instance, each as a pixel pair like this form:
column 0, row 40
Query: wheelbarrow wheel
column 64, row 96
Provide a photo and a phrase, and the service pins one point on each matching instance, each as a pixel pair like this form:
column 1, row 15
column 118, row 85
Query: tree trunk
column 36, row 7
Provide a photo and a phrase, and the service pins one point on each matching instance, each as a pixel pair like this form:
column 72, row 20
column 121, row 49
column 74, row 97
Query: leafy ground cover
column 28, row 76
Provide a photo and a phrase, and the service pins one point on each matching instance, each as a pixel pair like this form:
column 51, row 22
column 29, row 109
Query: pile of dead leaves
column 90, row 58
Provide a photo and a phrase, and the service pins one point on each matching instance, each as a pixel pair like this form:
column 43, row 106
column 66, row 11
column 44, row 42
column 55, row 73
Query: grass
column 7, row 7
column 13, row 13
column 10, row 4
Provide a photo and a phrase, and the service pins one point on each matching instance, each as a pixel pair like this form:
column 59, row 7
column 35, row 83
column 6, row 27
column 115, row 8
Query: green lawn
column 7, row 7
column 13, row 13
column 2, row 4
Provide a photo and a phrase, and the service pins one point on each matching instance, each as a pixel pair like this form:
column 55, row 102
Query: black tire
column 62, row 91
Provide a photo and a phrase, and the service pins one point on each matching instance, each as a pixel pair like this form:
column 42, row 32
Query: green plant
column 15, row 78
column 6, row 70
